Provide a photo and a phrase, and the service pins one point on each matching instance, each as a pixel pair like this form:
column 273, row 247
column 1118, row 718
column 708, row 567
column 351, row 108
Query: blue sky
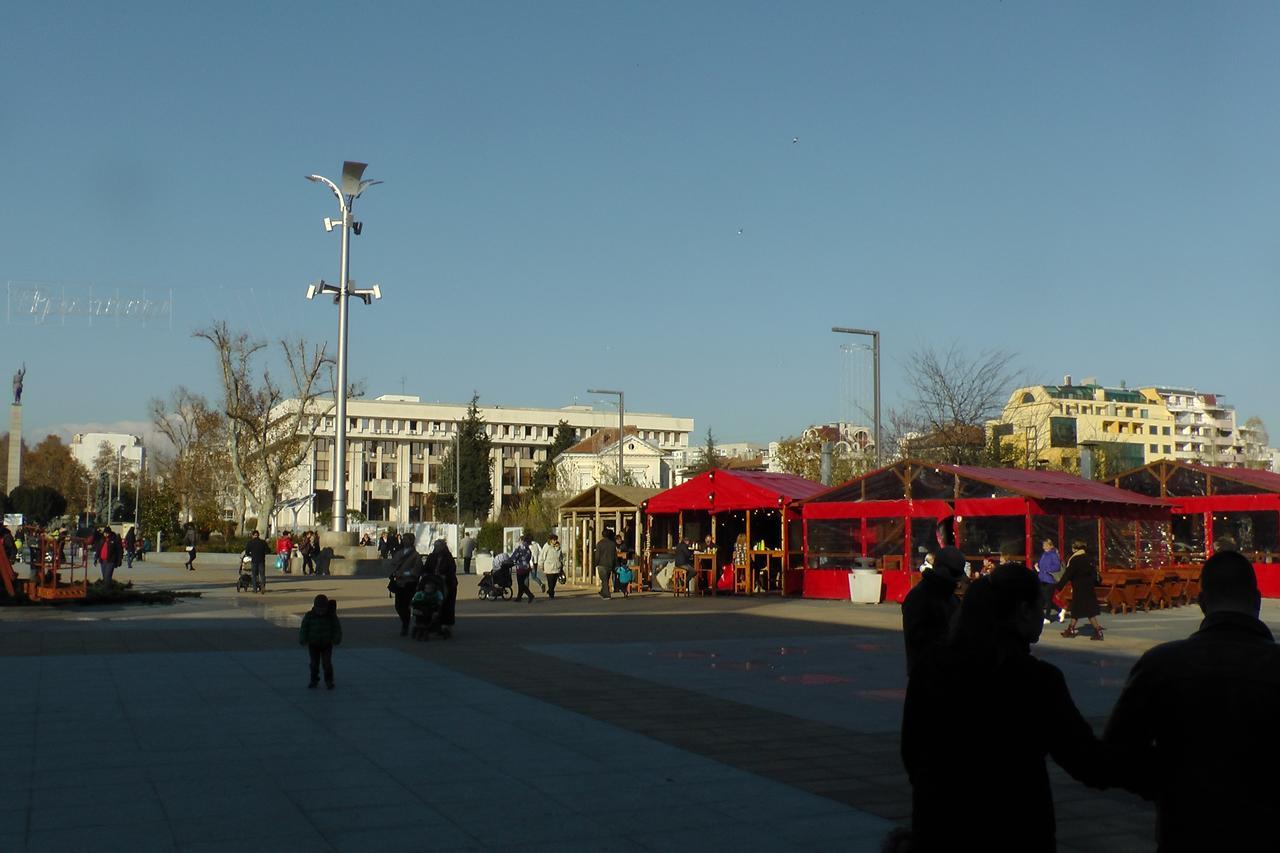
column 1089, row 185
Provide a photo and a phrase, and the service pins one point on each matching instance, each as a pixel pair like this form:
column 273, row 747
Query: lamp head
column 352, row 172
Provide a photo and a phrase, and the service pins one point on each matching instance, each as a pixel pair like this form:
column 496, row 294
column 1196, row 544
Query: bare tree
column 269, row 433
column 197, row 470
column 955, row 396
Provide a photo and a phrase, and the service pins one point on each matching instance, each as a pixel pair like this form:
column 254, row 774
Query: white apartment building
column 1205, row 430
column 396, row 443
column 126, row 450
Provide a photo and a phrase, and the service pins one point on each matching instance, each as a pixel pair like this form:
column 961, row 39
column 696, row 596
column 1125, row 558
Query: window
column 1151, row 430
column 1164, row 431
column 1153, row 447
column 1166, row 449
column 413, row 426
column 1144, row 413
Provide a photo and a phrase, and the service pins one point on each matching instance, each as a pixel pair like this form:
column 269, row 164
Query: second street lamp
column 619, row 393
column 352, row 187
column 875, row 354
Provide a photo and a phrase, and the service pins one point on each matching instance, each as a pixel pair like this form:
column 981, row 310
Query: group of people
column 409, row 571
column 530, row 562
column 611, row 558
column 1191, row 729
column 1080, row 573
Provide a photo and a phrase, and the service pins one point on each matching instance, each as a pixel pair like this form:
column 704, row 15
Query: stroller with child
column 244, row 582
column 427, row 607
column 496, row 584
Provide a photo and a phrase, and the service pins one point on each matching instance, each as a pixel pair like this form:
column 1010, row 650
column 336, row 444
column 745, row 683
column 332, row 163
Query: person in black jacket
column 1082, row 573
column 256, row 550
column 1203, row 708
column 606, row 558
column 406, row 568
column 441, row 562
column 929, row 608
column 985, row 672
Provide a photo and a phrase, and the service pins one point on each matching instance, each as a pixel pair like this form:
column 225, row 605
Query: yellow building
column 1045, row 425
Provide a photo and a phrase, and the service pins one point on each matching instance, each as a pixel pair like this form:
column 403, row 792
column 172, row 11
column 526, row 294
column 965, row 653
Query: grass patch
column 124, row 593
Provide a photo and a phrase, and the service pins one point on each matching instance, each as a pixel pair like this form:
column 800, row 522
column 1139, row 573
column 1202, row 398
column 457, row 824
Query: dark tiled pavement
column 644, row 724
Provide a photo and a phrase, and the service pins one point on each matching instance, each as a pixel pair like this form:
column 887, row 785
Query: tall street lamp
column 620, row 409
column 352, row 187
column 875, row 354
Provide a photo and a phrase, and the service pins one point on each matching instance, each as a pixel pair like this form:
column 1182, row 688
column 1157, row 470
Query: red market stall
column 1215, row 509
column 723, row 504
column 886, row 520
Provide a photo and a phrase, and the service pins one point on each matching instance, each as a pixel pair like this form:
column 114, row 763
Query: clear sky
column 677, row 199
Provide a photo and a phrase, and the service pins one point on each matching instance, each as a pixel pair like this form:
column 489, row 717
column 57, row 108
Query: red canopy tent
column 887, row 518
column 731, row 502
column 1216, row 508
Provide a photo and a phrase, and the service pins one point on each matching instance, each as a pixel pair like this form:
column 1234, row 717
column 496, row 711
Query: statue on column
column 17, row 383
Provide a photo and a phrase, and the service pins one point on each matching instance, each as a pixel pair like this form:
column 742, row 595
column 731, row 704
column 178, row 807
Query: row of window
column 396, row 426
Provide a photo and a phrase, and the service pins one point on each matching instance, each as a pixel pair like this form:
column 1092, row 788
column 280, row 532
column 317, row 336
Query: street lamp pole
column 875, row 355
column 352, row 187
column 620, row 411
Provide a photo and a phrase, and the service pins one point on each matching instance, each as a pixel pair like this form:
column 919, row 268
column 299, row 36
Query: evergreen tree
column 708, row 457
column 477, row 486
column 544, row 476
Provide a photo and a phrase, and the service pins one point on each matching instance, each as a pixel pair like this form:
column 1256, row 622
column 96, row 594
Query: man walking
column 468, row 549
column 606, row 558
column 256, row 551
column 1195, row 717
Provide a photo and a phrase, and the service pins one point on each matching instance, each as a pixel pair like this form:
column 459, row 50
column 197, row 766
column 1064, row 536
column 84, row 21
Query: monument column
column 15, row 447
column 15, row 431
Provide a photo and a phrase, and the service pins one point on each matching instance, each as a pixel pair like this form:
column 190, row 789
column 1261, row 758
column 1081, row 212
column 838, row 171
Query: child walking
column 320, row 632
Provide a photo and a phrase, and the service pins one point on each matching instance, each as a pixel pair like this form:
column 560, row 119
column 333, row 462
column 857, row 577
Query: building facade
column 594, row 461
column 1047, row 425
column 396, row 444
column 126, row 450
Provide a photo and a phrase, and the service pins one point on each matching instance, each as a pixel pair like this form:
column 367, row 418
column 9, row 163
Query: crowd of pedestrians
column 1190, row 729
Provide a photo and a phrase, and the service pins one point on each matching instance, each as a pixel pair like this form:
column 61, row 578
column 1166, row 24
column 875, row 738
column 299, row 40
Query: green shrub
column 490, row 537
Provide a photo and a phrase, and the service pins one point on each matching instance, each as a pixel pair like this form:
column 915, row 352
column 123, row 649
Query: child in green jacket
column 320, row 632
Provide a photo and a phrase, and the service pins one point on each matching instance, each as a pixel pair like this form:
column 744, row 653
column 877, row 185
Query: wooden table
column 704, row 569
column 769, row 555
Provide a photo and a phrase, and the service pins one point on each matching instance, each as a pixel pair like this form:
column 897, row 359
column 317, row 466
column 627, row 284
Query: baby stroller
column 244, row 582
column 427, row 607
column 496, row 584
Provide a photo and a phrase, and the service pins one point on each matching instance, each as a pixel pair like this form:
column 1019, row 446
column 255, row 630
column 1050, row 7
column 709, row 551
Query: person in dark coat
column 1082, row 573
column 320, row 632
column 1205, row 707
column 406, row 568
column 928, row 609
column 256, row 550
column 985, row 672
column 441, row 562
column 606, row 559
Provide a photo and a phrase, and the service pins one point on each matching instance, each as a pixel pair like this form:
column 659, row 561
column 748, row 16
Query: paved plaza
column 647, row 723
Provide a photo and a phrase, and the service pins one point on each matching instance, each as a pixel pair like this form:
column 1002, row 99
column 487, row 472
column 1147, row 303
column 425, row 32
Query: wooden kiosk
column 886, row 520
column 1216, row 508
column 588, row 513
column 723, row 504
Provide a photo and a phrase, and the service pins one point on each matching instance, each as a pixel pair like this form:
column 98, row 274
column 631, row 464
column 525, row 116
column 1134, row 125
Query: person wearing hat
column 928, row 609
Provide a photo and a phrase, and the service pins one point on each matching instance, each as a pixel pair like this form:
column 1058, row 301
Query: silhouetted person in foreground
column 1207, row 706
column 929, row 608
column 985, row 786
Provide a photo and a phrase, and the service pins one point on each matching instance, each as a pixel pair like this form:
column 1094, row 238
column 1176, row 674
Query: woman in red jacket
column 284, row 550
